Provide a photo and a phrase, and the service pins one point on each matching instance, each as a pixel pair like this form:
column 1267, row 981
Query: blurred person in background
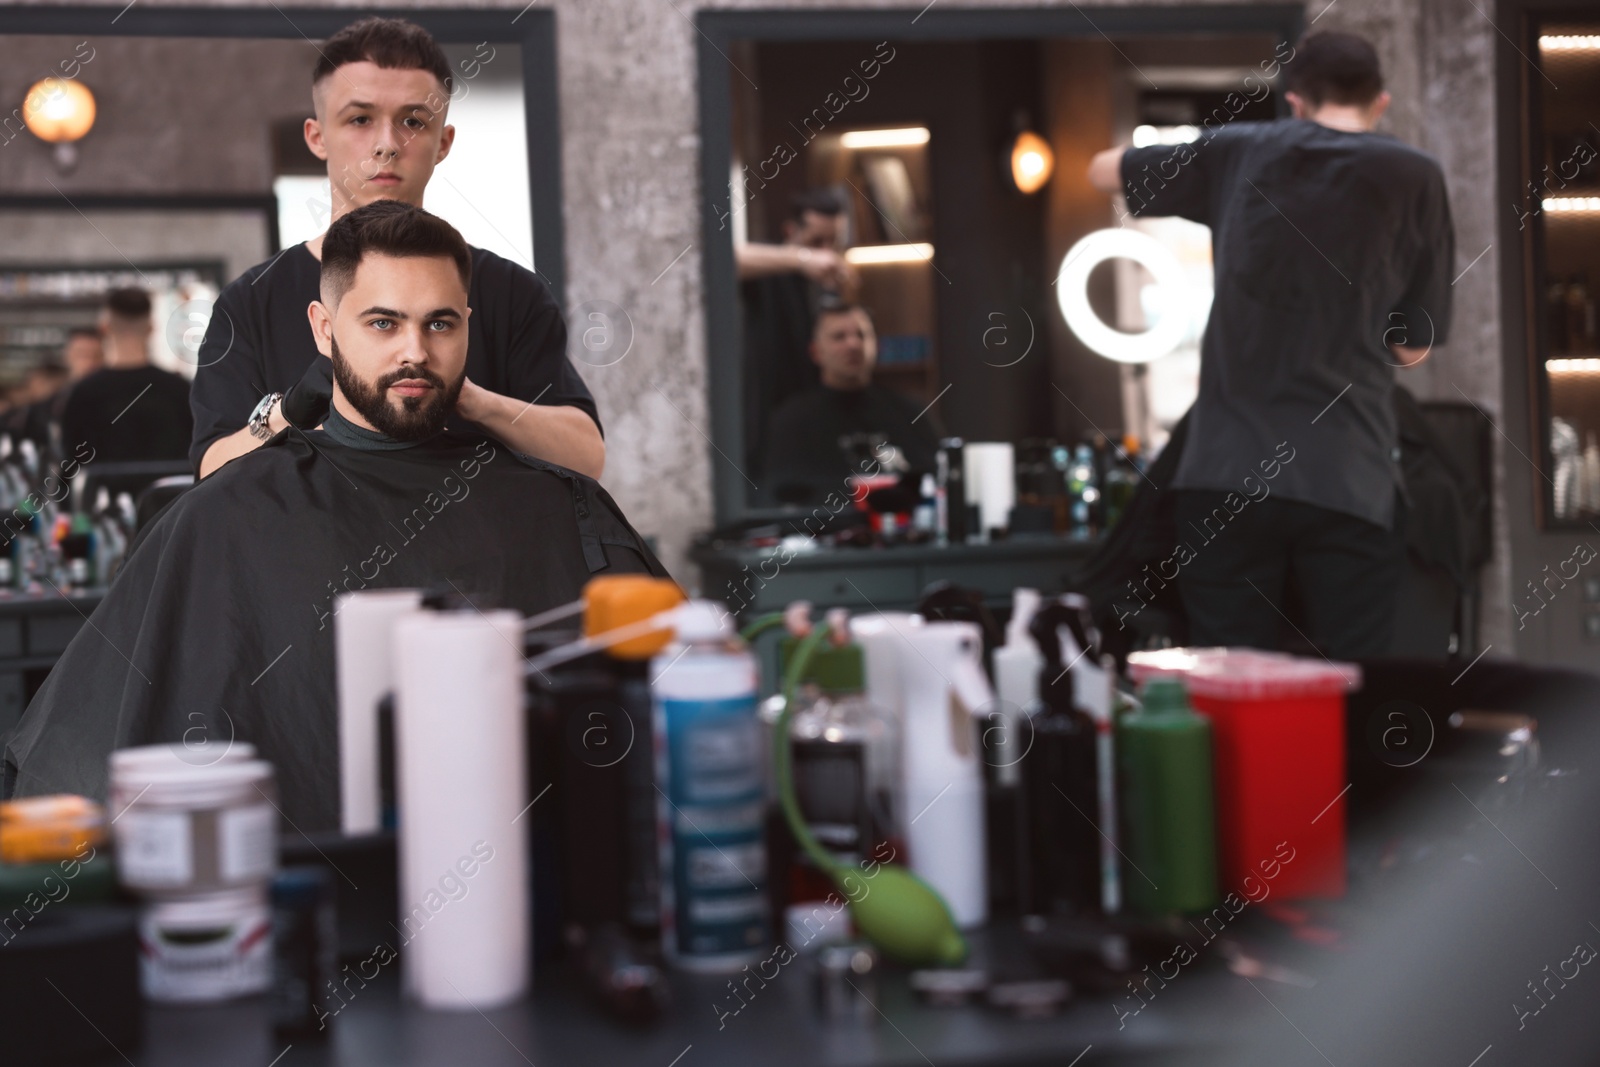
column 1333, row 250
column 84, row 353
column 128, row 410
column 33, row 402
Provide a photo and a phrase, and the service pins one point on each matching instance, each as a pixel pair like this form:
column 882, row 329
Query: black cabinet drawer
column 10, row 638
column 48, row 635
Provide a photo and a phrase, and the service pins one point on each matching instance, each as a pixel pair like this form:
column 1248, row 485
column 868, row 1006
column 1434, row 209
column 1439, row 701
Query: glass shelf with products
column 1561, row 204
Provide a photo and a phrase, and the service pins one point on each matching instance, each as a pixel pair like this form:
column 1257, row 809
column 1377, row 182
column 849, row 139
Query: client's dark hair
column 831, row 305
column 393, row 44
column 128, row 303
column 820, row 201
column 1334, row 68
column 387, row 228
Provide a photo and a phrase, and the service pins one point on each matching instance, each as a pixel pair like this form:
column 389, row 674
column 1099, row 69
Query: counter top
column 886, row 579
column 851, row 556
column 780, row 1027
column 14, row 603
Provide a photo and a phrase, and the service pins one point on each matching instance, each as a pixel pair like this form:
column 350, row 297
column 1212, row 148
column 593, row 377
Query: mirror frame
column 718, row 30
column 533, row 29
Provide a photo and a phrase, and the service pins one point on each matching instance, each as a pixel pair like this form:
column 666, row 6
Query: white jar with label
column 210, row 947
column 182, row 829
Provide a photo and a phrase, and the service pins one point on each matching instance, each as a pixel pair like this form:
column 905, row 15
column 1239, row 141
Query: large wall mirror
column 928, row 170
column 193, row 166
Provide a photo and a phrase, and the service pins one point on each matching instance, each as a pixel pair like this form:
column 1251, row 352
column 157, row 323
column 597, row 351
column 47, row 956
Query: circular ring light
column 1072, row 292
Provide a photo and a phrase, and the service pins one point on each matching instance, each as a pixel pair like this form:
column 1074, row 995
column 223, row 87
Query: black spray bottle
column 1059, row 868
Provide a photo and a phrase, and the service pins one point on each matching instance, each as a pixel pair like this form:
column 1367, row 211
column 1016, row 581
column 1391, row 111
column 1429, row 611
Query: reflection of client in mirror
column 822, row 435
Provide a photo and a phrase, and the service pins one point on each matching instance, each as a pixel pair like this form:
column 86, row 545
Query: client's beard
column 418, row 417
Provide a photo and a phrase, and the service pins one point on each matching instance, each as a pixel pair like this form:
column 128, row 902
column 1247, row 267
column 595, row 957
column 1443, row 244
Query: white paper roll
column 991, row 482
column 363, row 635
column 943, row 685
column 460, row 735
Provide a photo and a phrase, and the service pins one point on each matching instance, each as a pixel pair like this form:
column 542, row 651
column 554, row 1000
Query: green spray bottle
column 1169, row 826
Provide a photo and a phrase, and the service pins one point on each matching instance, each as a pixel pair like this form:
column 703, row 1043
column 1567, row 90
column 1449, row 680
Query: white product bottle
column 712, row 789
column 941, row 671
column 1016, row 680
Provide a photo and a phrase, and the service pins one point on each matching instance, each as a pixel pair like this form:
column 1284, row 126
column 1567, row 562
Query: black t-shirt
column 259, row 341
column 1328, row 245
column 823, row 435
column 128, row 414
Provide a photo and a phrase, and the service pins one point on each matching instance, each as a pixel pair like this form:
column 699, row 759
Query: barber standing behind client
column 381, row 90
column 1333, row 251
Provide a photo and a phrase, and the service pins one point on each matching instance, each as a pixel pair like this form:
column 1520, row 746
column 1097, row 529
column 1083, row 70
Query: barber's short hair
column 388, row 228
column 818, row 201
column 393, row 44
column 1334, row 68
column 83, row 331
column 128, row 304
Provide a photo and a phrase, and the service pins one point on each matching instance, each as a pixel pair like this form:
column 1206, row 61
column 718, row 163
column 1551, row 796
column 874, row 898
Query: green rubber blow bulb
column 902, row 915
column 898, row 912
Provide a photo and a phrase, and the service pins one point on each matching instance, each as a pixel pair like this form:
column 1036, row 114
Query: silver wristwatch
column 258, row 418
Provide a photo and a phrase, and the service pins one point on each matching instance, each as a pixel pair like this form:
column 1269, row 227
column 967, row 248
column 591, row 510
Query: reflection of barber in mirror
column 810, row 246
column 1334, row 254
column 781, row 286
column 846, row 424
column 381, row 91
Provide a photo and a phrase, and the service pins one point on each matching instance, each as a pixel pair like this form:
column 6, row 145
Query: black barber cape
column 222, row 614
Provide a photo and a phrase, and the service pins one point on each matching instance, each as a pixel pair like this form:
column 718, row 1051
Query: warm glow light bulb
column 1032, row 162
column 58, row 111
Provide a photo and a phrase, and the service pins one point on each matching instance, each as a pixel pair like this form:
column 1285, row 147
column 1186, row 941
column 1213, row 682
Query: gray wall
column 155, row 132
column 630, row 167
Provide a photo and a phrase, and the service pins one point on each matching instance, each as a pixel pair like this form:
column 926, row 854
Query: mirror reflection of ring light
column 1072, row 292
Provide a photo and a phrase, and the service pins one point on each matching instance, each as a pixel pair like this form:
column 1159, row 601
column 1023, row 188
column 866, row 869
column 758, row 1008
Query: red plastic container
column 1279, row 751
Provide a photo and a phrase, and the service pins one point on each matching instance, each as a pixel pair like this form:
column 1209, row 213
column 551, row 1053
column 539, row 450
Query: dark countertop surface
column 15, row 603
column 850, row 555
column 779, row 1027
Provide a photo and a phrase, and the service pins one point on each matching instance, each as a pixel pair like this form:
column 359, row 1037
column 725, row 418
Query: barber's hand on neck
column 556, row 432
column 305, row 404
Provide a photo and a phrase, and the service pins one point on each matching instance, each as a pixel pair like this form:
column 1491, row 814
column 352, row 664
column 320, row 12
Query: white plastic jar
column 210, row 947
column 184, row 829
